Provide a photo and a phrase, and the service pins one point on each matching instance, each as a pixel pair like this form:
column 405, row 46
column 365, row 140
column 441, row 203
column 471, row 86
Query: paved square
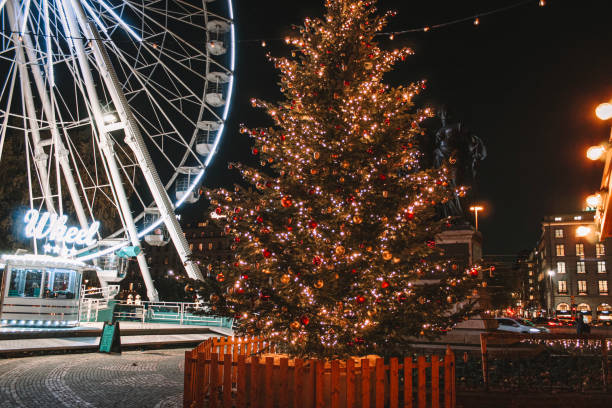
column 151, row 378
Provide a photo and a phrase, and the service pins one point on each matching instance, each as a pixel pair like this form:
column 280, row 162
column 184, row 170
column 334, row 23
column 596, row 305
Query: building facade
column 574, row 266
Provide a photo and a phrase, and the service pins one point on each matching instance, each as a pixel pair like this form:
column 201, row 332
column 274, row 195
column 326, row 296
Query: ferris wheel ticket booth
column 40, row 291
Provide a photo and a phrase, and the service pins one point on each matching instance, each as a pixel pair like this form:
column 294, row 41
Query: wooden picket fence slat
column 233, row 372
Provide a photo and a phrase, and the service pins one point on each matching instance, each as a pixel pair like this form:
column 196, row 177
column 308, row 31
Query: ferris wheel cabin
column 40, row 291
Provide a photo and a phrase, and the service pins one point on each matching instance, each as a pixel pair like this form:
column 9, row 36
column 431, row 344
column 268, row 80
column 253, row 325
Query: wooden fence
column 239, row 372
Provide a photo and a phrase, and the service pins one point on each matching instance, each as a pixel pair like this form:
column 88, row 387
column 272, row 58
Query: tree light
column 595, row 152
column 593, row 200
column 551, row 272
column 604, row 111
column 583, row 231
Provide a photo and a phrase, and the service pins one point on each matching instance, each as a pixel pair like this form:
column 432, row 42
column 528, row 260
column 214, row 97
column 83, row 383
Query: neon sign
column 44, row 225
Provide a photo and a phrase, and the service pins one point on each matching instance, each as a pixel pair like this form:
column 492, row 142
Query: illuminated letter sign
column 53, row 227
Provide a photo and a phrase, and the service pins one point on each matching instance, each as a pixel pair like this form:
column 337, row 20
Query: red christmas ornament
column 236, row 239
column 255, row 151
column 410, row 215
column 402, row 298
column 244, row 276
column 431, row 244
column 218, row 210
column 384, row 284
column 316, row 260
column 304, row 320
column 354, row 271
column 311, row 191
column 259, row 219
column 267, row 253
column 286, row 202
column 360, row 299
column 313, row 224
column 474, row 272
column 382, row 177
column 346, row 83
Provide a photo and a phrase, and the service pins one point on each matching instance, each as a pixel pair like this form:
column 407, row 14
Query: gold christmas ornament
column 316, row 155
column 357, row 219
column 319, row 284
column 285, row 279
column 396, row 260
column 345, row 164
column 340, row 250
column 295, row 325
column 220, row 277
column 214, row 298
column 387, row 255
column 266, row 271
column 368, row 65
column 385, row 194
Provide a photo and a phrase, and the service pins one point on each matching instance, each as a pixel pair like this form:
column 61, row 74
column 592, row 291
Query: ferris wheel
column 118, row 107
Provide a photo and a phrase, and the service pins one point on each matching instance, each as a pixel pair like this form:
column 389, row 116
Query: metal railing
column 181, row 313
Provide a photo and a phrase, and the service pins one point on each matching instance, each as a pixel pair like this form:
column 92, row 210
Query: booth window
column 25, row 283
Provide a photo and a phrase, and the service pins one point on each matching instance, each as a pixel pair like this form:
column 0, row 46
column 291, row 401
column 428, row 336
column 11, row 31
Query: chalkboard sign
column 110, row 341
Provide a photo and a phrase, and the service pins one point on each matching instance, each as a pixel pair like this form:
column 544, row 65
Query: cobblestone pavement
column 134, row 379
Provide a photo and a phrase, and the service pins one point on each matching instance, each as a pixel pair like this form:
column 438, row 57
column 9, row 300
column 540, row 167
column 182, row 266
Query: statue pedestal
column 462, row 245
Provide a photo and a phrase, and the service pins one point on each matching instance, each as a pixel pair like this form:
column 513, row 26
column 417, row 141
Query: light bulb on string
column 477, row 21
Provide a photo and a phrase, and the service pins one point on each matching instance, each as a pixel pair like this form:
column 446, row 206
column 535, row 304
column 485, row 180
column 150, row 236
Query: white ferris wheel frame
column 75, row 15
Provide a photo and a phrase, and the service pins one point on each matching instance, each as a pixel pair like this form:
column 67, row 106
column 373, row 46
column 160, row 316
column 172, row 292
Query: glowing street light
column 583, row 231
column 604, row 111
column 595, row 152
column 594, row 200
column 475, row 209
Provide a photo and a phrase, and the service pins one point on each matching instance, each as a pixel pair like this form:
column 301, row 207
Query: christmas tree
column 334, row 235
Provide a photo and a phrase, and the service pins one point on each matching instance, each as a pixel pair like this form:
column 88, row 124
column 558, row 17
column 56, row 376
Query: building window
column 530, row 273
column 558, row 218
column 582, row 287
column 165, row 261
column 562, row 286
column 560, row 249
column 580, row 267
column 600, row 249
column 578, row 217
column 530, row 297
column 558, row 233
column 560, row 267
column 579, row 249
column 191, row 247
column 601, row 266
column 603, row 287
column 210, row 245
column 200, row 246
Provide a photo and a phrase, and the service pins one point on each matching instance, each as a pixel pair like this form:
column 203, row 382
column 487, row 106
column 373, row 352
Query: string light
column 476, row 21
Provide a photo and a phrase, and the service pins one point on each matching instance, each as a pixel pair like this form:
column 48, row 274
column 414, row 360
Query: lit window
column 557, row 218
column 558, row 233
column 582, row 287
column 560, row 249
column 530, row 297
column 601, row 266
column 600, row 249
column 210, row 245
column 560, row 267
column 191, row 247
column 165, row 261
column 580, row 267
column 562, row 286
column 200, row 246
column 530, row 273
column 603, row 287
column 530, row 281
column 579, row 249
column 578, row 217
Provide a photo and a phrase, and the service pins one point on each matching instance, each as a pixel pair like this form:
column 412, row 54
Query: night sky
column 525, row 80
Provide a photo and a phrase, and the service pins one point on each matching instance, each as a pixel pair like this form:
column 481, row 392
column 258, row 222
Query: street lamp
column 604, row 111
column 475, row 209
